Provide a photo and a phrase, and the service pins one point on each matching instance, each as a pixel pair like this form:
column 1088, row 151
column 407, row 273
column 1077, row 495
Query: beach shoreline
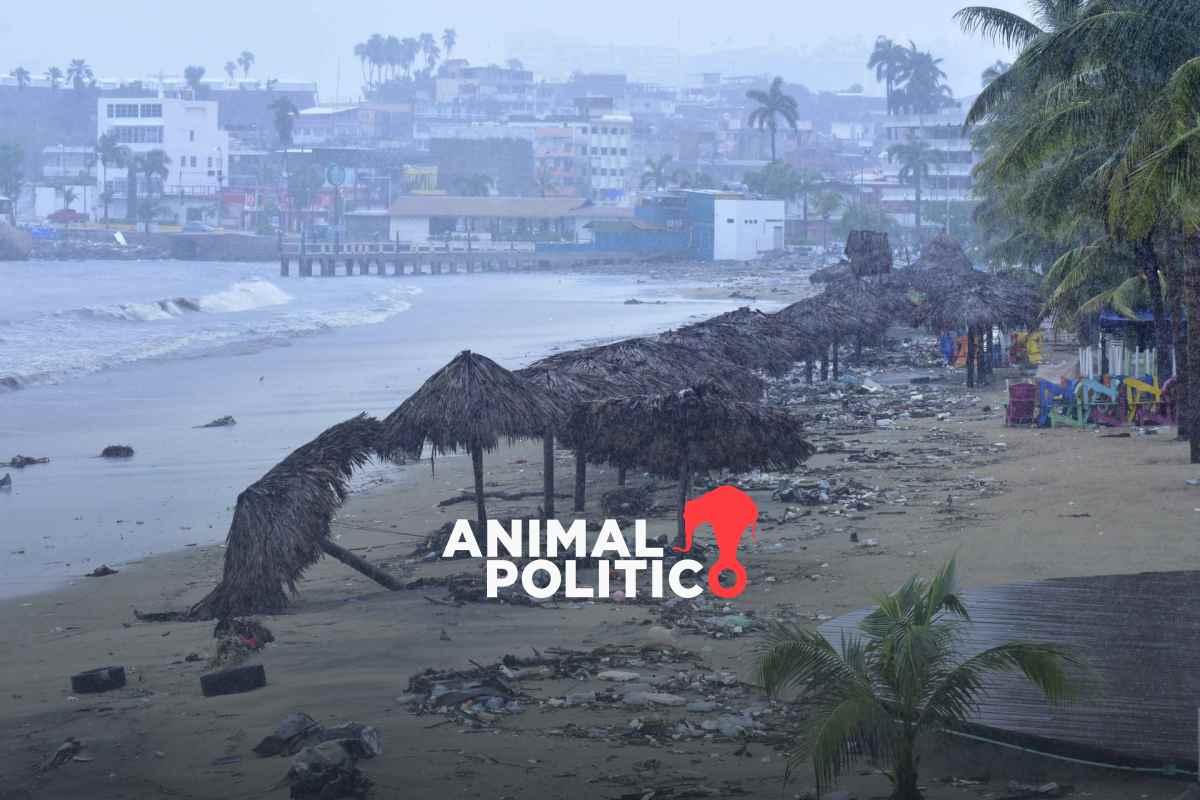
column 179, row 488
column 347, row 648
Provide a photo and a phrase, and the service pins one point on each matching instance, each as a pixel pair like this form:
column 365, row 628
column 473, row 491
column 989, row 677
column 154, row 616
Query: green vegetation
column 12, row 174
column 385, row 59
column 654, row 173
column 773, row 105
column 913, row 79
column 1091, row 148
column 894, row 680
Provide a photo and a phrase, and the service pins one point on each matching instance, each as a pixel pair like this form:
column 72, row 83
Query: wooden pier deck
column 398, row 259
column 1139, row 639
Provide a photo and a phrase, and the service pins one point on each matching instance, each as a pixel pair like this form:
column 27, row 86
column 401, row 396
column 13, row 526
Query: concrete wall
column 409, row 229
column 744, row 229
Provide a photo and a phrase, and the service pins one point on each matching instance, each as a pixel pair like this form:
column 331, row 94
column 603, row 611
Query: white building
column 187, row 131
column 949, row 182
column 745, row 229
column 608, row 142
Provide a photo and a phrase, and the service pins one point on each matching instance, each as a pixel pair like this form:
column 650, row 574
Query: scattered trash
column 102, row 571
column 67, row 751
column 219, row 422
column 237, row 639
column 20, row 462
column 117, row 451
column 102, row 679
column 6, row 481
column 234, row 680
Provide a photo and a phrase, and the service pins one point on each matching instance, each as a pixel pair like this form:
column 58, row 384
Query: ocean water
column 100, row 353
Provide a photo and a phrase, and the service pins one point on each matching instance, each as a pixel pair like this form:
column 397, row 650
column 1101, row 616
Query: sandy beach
column 1009, row 503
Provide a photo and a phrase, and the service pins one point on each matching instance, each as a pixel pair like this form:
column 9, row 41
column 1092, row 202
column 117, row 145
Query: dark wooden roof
column 1139, row 638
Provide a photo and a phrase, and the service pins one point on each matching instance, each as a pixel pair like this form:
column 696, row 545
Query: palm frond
column 958, row 692
column 1002, row 27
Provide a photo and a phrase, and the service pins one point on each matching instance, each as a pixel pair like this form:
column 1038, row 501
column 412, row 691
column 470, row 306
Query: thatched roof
column 280, row 520
column 564, row 388
column 702, row 425
column 472, row 402
column 649, row 365
column 951, row 298
column 834, row 272
column 943, row 252
column 747, row 337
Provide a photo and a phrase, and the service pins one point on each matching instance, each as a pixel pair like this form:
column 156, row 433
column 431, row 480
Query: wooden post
column 477, row 465
column 580, row 477
column 808, row 371
column 981, row 366
column 548, row 473
column 970, row 357
column 825, row 364
column 834, row 349
column 373, row 572
column 284, row 266
column 621, row 475
column 685, row 480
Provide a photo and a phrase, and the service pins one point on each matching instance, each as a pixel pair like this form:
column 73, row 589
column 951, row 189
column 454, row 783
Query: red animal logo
column 729, row 511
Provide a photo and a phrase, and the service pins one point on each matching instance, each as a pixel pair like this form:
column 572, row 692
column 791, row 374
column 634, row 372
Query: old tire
column 234, row 680
column 102, row 679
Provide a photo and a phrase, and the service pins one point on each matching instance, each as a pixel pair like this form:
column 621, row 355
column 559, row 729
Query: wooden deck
column 1139, row 638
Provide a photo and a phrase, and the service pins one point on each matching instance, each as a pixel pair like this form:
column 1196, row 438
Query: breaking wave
column 241, row 296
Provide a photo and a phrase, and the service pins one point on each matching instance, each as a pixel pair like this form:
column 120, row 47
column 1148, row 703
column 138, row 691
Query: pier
column 402, row 259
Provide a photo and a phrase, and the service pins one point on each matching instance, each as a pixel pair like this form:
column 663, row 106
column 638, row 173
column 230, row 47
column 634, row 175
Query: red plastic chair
column 1022, row 404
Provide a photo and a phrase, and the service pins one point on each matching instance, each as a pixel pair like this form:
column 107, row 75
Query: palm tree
column 806, row 182
column 772, row 104
column 895, row 679
column 79, row 73
column 924, row 90
column 110, row 154
column 285, row 119
column 409, row 49
column 916, row 158
column 363, row 54
column 22, row 76
column 890, row 62
column 449, row 40
column 655, row 172
column 68, row 195
column 193, row 74
column 231, row 69
column 55, row 76
column 246, row 61
column 12, row 157
column 429, row 48
column 993, row 72
column 825, row 205
column 376, row 47
column 154, row 167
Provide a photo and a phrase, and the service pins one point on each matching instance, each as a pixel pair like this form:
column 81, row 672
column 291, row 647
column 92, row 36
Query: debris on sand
column 6, row 481
column 102, row 571
column 117, row 451
column 219, row 422
column 94, row 681
column 324, row 760
column 67, row 751
column 628, row 502
column 237, row 640
column 20, row 462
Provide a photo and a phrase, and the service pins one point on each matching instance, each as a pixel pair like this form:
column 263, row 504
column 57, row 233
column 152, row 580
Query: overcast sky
column 306, row 40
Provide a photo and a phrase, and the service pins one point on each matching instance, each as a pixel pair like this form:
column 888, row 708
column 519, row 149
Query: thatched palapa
column 694, row 430
column 563, row 390
column 747, row 337
column 470, row 404
column 281, row 522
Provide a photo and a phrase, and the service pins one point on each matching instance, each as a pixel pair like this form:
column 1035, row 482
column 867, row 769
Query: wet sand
column 1046, row 503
